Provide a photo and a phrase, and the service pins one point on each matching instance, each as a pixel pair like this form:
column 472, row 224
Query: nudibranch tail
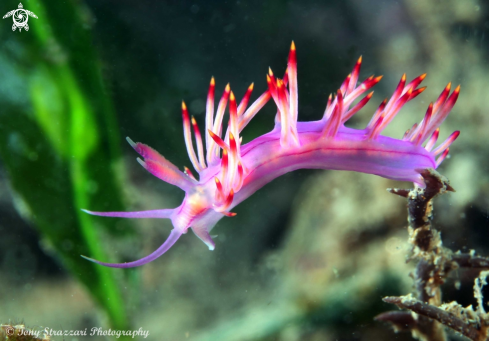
column 229, row 171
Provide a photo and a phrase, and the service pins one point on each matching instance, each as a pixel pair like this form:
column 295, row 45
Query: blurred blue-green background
column 309, row 256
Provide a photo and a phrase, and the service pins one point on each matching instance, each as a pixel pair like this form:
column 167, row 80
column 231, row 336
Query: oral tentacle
column 172, row 239
column 160, row 214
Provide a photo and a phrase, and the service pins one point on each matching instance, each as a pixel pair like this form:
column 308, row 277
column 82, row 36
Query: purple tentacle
column 164, row 213
column 174, row 235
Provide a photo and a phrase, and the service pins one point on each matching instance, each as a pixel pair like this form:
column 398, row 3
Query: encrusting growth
column 229, row 171
column 427, row 316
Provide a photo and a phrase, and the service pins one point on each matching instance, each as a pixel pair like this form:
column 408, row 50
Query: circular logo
column 9, row 330
column 20, row 17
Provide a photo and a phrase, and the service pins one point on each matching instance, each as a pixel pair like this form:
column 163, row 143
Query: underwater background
column 310, row 255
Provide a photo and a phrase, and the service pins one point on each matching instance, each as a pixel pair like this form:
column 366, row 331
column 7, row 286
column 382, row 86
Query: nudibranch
column 229, row 171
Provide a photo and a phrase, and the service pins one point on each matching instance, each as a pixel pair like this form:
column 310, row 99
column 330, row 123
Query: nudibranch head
column 229, row 171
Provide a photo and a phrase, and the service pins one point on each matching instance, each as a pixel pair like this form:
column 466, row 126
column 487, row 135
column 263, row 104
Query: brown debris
column 428, row 316
column 435, row 313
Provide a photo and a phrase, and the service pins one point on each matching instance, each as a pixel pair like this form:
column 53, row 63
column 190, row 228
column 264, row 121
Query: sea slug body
column 229, row 172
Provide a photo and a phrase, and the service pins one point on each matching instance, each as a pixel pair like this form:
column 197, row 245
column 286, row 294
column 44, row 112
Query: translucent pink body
column 230, row 172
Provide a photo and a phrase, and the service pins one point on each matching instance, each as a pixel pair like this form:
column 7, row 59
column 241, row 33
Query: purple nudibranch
column 229, row 172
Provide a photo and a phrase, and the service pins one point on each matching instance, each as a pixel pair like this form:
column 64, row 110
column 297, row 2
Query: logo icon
column 20, row 17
